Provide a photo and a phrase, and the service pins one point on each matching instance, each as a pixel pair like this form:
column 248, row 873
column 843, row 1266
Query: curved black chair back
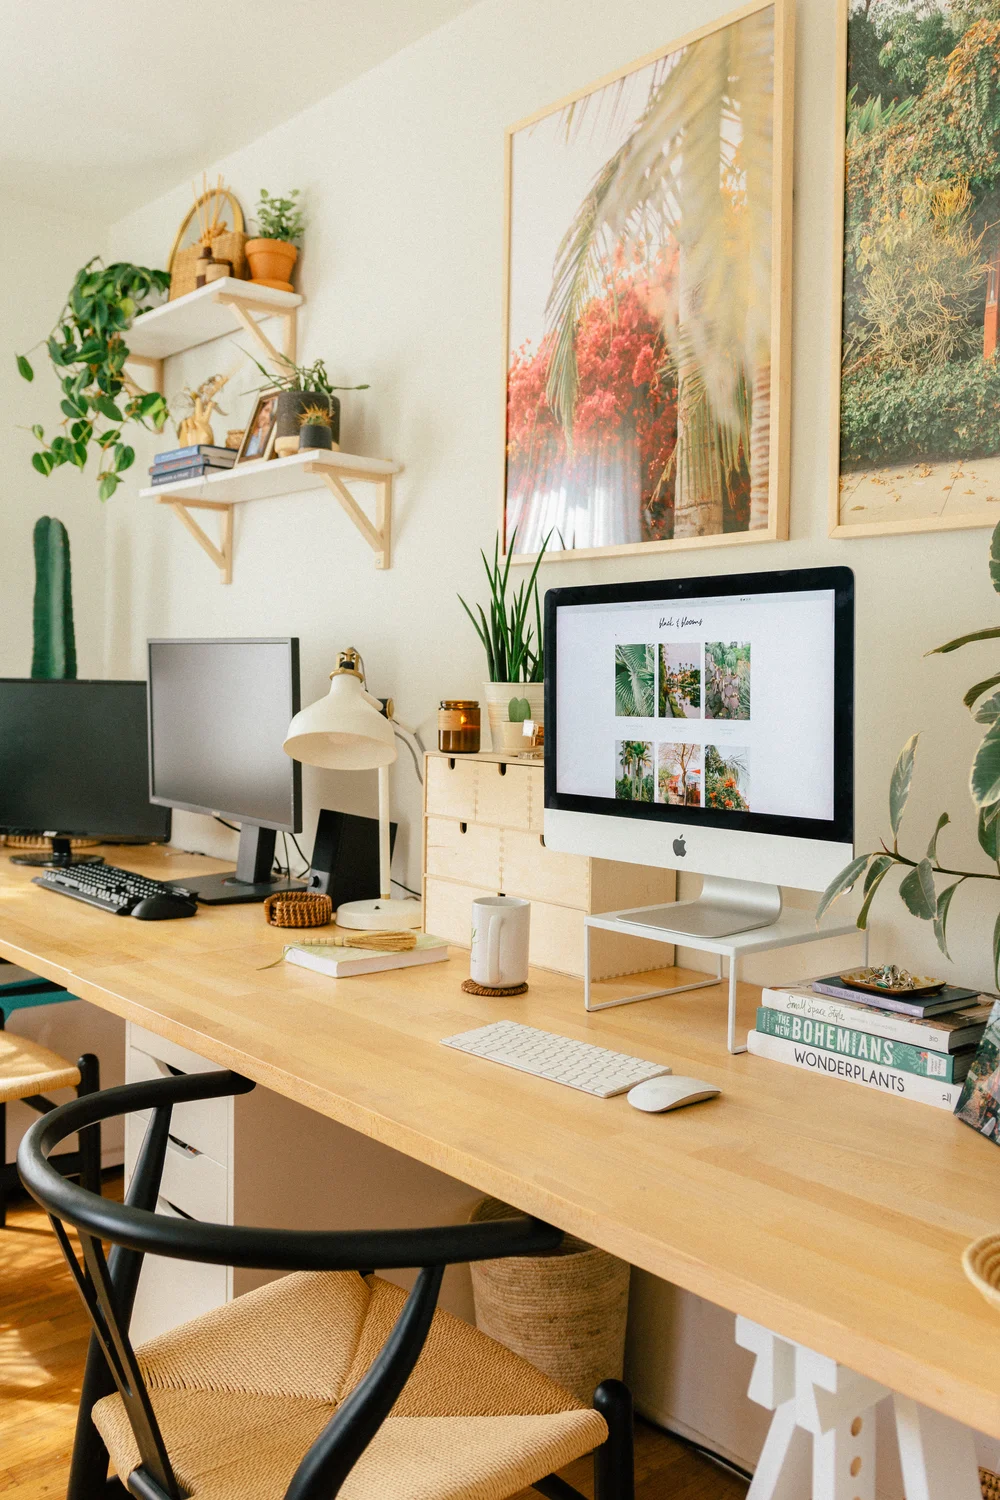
column 108, row 1284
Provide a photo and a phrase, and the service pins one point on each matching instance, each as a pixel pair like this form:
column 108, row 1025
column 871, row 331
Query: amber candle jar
column 458, row 726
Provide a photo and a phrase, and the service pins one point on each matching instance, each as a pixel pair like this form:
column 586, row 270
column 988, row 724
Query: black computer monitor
column 74, row 764
column 219, row 711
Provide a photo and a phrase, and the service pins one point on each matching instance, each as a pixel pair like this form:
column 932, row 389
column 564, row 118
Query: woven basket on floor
column 298, row 909
column 564, row 1313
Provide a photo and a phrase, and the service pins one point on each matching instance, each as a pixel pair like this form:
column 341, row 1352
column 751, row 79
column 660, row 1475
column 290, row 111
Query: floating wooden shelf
column 210, row 312
column 272, row 479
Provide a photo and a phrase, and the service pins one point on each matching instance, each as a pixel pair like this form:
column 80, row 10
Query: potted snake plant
column 512, row 637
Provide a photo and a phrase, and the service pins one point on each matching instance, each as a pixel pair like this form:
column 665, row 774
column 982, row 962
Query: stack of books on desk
column 916, row 1047
column 190, row 463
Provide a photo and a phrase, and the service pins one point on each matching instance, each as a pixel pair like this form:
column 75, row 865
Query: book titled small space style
column 979, row 1104
column 222, row 456
column 883, row 1051
column 946, row 1033
column 950, row 997
column 339, row 963
column 196, row 470
column 871, row 1075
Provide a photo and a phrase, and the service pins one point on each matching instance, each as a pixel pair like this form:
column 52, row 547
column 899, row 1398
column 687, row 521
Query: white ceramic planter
column 505, row 737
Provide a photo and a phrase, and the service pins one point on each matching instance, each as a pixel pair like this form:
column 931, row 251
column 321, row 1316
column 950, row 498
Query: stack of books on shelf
column 913, row 1046
column 191, row 463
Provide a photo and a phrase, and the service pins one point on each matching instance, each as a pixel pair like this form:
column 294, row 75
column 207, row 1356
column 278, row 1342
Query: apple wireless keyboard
column 579, row 1065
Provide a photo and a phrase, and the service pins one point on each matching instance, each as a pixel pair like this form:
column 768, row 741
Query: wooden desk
column 832, row 1215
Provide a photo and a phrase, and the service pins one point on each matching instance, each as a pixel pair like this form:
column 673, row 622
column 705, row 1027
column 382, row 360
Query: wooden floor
column 43, row 1338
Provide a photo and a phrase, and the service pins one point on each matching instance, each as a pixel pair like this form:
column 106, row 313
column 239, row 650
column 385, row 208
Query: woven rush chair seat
column 27, row 1068
column 242, row 1392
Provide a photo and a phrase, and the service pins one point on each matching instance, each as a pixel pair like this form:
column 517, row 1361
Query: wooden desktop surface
column 831, row 1214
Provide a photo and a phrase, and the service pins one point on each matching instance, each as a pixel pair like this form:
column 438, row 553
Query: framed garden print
column 916, row 384
column 647, row 301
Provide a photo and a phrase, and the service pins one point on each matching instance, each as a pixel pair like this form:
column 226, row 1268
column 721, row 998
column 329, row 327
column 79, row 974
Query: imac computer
column 74, row 764
column 219, row 711
column 705, row 724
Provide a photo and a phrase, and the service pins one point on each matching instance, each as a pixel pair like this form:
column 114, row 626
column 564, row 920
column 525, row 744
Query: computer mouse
column 162, row 908
column 659, row 1094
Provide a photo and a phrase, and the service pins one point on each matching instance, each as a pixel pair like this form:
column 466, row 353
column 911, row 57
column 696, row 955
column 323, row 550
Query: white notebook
column 339, row 963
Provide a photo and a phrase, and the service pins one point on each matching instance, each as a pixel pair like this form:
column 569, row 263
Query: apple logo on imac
column 680, row 848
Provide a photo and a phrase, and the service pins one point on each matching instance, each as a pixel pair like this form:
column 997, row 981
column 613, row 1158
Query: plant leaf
column 996, row 952
column 979, row 689
column 942, row 822
column 995, row 557
column 899, row 786
column 917, row 890
column 109, row 483
column 984, row 779
column 988, row 711
column 107, row 408
column 842, row 883
column 43, row 462
column 990, row 634
column 989, row 830
column 24, row 368
column 941, row 916
column 878, row 870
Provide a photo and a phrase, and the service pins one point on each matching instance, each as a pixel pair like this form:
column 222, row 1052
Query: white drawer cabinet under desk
column 483, row 836
column 262, row 1159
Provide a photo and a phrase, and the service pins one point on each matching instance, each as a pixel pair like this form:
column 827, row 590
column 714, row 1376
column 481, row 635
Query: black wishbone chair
column 317, row 1384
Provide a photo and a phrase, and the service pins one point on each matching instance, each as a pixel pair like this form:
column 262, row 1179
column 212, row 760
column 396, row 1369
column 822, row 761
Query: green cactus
column 55, row 643
column 518, row 709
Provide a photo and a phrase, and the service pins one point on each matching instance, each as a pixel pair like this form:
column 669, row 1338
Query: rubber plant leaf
column 899, row 786
column 941, row 916
column 979, row 689
column 917, row 890
column 942, row 822
column 842, row 883
column 984, row 779
column 878, row 870
column 989, row 830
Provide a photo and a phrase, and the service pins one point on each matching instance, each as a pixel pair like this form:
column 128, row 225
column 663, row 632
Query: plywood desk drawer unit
column 484, row 817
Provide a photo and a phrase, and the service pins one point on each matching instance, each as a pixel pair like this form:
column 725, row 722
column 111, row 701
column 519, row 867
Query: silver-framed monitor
column 705, row 724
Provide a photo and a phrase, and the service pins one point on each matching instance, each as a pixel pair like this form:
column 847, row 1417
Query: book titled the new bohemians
column 950, row 1067
column 871, row 1075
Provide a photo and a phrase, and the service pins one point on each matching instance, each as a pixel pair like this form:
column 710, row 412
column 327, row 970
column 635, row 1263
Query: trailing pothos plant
column 87, row 349
column 919, row 885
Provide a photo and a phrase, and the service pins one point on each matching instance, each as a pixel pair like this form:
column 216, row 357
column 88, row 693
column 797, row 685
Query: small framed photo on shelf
column 258, row 436
column 979, row 1103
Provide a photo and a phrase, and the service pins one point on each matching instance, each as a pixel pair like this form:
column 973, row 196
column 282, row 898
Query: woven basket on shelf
column 298, row 909
column 989, row 1483
column 225, row 246
column 564, row 1313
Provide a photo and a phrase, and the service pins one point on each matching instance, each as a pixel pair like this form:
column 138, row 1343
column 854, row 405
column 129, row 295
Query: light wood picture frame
column 259, row 433
column 705, row 322
column 900, row 413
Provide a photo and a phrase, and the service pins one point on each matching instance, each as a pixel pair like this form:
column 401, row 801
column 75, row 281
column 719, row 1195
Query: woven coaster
column 472, row 988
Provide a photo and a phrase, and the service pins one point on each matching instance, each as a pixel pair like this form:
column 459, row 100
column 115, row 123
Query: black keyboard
column 111, row 889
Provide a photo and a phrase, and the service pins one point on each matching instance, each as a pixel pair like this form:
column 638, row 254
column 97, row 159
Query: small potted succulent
column 273, row 255
column 315, row 428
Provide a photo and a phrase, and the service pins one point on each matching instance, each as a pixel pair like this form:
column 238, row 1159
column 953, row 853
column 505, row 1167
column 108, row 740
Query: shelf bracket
column 379, row 535
column 155, row 367
column 222, row 555
column 243, row 309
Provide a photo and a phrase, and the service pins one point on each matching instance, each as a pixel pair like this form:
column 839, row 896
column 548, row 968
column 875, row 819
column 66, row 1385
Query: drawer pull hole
column 182, row 1146
column 451, row 763
column 463, row 827
column 541, row 839
column 503, row 768
column 178, row 1211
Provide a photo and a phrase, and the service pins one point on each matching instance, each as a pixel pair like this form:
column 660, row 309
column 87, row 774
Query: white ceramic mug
column 500, row 927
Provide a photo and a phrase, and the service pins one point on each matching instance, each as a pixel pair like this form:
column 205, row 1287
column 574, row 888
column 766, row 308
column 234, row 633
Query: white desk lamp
column 348, row 731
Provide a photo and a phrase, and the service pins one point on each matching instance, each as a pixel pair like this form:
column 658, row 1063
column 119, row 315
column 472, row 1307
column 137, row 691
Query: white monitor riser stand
column 732, row 918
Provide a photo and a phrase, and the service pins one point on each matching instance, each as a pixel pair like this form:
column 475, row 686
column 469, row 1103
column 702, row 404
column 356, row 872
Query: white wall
column 41, row 251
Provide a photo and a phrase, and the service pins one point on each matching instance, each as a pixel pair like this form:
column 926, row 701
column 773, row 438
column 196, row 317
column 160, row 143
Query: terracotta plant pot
column 271, row 261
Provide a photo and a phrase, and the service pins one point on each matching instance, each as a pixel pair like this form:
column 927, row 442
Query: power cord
column 406, row 888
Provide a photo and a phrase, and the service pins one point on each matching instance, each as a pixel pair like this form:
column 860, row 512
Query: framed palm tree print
column 647, row 301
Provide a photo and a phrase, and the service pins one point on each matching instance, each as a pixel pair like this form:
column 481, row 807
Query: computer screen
column 74, row 760
column 716, row 703
column 219, row 711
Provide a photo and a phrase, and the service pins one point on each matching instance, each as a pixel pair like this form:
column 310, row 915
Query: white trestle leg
column 821, row 1442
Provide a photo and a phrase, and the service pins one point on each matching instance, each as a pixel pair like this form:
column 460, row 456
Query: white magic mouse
column 659, row 1094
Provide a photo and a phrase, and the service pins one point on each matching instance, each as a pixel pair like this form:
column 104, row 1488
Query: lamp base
column 380, row 915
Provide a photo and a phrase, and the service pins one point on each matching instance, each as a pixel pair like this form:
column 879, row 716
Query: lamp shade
column 345, row 731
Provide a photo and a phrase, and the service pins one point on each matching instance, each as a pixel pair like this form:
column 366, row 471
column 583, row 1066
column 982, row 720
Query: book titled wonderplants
column 886, row 1080
column 979, row 1102
column 883, row 1051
